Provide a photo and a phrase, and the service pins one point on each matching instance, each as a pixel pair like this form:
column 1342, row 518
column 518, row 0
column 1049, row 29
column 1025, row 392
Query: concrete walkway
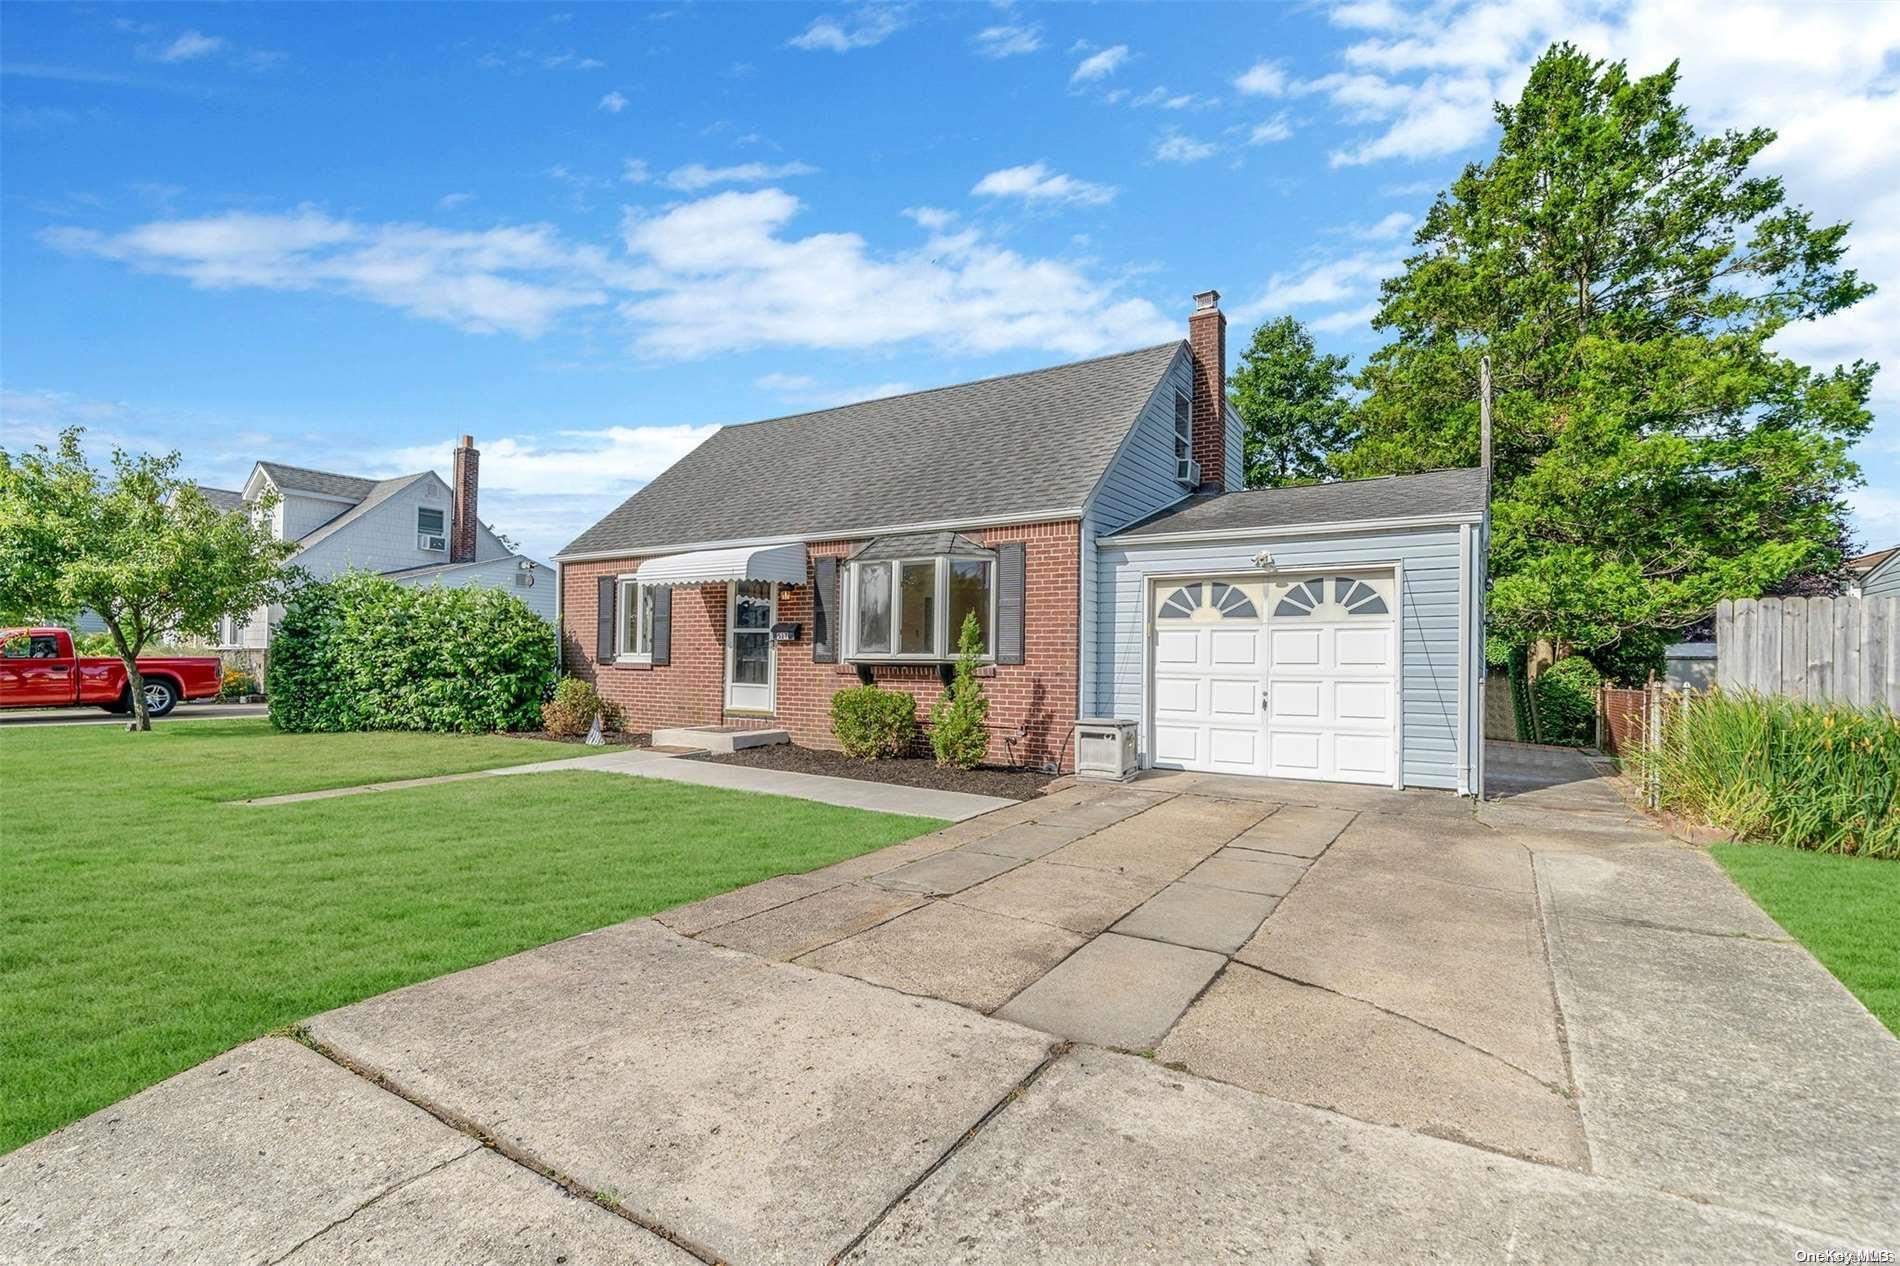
column 1186, row 1019
column 880, row 797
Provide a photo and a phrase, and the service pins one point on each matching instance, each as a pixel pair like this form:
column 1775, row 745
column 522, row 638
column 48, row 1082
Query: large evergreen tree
column 1292, row 403
column 1652, row 452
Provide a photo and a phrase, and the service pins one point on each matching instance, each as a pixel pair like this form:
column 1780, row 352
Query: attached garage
column 1328, row 632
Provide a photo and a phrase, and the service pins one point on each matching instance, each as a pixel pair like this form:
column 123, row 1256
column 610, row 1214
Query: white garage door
column 1291, row 678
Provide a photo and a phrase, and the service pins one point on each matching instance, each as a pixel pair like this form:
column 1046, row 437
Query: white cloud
column 1313, row 291
column 935, row 219
column 450, row 201
column 1034, row 182
column 703, row 277
column 1010, row 40
column 517, row 279
column 1262, row 79
column 189, row 47
column 1277, row 128
column 635, row 171
column 723, row 274
column 613, row 103
column 872, row 24
column 696, row 176
column 785, row 384
column 553, row 466
column 1877, row 513
column 1161, row 98
column 1100, row 65
column 808, row 391
column 1177, row 147
column 1395, row 225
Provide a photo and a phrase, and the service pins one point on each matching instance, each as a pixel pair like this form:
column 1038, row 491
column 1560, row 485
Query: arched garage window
column 1351, row 596
column 1181, row 604
column 1228, row 602
column 1233, row 604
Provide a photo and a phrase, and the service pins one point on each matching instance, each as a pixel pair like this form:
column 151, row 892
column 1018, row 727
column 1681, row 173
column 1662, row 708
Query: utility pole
column 1484, row 551
column 1484, row 421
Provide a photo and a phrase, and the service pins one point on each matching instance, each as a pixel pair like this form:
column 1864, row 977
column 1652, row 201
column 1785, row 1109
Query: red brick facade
column 1032, row 703
column 1207, row 339
column 467, row 490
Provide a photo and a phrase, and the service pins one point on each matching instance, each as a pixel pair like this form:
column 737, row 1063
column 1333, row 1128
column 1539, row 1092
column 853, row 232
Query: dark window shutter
column 1009, row 602
column 663, row 625
column 824, row 611
column 604, row 639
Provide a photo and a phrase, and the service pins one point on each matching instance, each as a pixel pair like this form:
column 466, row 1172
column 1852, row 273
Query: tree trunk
column 134, row 684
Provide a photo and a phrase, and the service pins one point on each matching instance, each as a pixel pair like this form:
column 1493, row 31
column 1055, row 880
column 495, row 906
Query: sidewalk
column 879, row 797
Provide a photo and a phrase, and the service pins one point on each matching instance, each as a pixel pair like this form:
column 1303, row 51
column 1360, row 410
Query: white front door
column 1210, row 672
column 1331, row 679
column 751, row 661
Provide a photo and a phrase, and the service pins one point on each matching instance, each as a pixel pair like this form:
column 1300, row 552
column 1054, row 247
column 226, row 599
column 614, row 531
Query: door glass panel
column 750, row 651
column 752, row 634
column 874, row 608
column 917, row 608
column 969, row 592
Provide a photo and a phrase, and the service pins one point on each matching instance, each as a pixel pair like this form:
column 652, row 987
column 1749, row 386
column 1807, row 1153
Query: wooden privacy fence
column 1843, row 649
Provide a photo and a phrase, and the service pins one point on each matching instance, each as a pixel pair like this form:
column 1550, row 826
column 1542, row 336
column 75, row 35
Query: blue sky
column 342, row 235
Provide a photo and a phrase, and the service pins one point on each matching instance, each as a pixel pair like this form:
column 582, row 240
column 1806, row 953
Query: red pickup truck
column 39, row 670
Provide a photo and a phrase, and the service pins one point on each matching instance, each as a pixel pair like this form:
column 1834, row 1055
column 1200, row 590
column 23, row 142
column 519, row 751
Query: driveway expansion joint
column 390, row 1190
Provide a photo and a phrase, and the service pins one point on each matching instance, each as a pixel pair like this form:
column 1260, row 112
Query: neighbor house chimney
column 467, row 481
column 1207, row 339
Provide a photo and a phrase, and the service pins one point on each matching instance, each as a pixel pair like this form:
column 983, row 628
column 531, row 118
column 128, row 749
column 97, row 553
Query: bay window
column 633, row 621
column 914, row 608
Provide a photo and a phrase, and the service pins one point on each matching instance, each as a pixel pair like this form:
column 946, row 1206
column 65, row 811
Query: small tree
column 1292, row 404
column 959, row 721
column 138, row 545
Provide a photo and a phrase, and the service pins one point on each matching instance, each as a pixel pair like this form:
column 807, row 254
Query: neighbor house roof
column 225, row 499
column 1433, row 493
column 323, row 483
column 380, row 490
column 1865, row 564
column 1019, row 446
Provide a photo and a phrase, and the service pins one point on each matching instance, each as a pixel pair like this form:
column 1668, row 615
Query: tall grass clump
column 1804, row 775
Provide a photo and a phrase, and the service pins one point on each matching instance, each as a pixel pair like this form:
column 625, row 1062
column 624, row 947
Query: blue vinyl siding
column 1139, row 482
column 1236, row 457
column 1430, row 619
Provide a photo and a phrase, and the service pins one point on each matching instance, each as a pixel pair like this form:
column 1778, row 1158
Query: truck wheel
column 160, row 696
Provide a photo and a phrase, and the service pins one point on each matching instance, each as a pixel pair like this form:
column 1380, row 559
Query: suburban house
column 1875, row 575
column 1090, row 516
column 415, row 529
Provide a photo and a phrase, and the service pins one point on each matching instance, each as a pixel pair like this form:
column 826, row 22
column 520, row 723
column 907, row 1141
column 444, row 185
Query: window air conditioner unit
column 434, row 544
column 1187, row 471
column 1105, row 748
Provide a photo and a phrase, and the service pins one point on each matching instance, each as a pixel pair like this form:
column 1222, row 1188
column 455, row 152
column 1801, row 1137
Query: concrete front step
column 719, row 740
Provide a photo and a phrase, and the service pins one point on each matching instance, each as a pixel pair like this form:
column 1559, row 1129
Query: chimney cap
column 468, row 441
column 1207, row 301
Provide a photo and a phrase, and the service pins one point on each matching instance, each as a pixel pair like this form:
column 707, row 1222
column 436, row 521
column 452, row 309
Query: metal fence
column 1841, row 649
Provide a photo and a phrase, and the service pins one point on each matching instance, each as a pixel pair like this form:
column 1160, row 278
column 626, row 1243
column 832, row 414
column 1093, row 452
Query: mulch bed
column 616, row 738
column 909, row 771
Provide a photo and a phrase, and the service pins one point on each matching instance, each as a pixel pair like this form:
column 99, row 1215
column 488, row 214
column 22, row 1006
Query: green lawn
column 145, row 927
column 1846, row 910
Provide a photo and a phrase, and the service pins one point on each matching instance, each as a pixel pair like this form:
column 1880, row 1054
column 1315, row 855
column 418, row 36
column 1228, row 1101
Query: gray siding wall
column 1236, row 453
column 384, row 539
column 1885, row 582
column 499, row 574
column 1429, row 625
column 1138, row 482
column 299, row 516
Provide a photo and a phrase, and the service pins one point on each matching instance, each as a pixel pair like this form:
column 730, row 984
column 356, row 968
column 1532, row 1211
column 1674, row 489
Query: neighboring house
column 415, row 529
column 1875, row 575
column 1089, row 516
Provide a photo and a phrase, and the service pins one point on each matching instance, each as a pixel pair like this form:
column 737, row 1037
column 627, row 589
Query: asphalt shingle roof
column 1352, row 500
column 225, row 499
column 1023, row 444
column 322, row 482
column 379, row 491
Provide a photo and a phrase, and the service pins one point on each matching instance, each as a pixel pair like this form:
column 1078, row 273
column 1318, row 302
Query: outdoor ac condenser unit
column 1105, row 748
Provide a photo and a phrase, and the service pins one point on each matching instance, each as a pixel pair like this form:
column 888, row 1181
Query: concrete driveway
column 96, row 716
column 1189, row 1018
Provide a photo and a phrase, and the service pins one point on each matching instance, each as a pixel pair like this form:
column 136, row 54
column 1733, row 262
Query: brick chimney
column 467, row 485
column 1207, row 339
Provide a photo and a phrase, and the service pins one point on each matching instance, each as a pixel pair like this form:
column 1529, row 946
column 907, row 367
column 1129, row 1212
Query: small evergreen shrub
column 873, row 724
column 571, row 712
column 1566, row 698
column 959, row 721
column 361, row 652
column 1785, row 771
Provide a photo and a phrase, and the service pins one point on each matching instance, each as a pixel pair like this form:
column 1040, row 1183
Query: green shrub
column 1566, row 698
column 1804, row 775
column 1630, row 659
column 361, row 652
column 873, row 724
column 959, row 721
column 236, row 683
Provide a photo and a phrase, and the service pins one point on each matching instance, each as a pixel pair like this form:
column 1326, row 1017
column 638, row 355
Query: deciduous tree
column 1292, row 403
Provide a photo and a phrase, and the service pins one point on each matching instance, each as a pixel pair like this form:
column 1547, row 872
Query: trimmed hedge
column 361, row 652
column 1566, row 697
column 571, row 712
column 873, row 724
